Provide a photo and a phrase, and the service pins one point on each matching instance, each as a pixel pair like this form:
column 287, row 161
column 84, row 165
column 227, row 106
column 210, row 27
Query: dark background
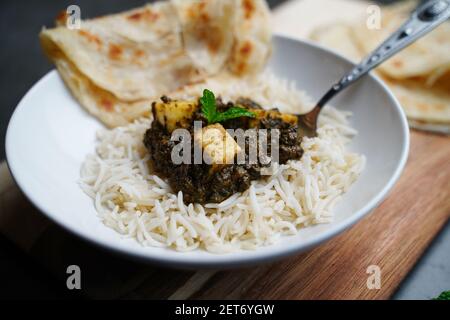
column 22, row 64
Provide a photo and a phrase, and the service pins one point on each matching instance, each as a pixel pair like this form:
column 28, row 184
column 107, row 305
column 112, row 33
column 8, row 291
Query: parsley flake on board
column 443, row 296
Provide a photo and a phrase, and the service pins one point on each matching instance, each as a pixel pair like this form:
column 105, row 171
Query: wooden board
column 393, row 238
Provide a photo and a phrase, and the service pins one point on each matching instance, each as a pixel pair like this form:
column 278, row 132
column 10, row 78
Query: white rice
column 138, row 204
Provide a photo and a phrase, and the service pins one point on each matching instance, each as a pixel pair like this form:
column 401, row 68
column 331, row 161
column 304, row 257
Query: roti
column 206, row 32
column 116, row 65
column 423, row 58
column 253, row 36
column 338, row 37
column 419, row 76
column 422, row 103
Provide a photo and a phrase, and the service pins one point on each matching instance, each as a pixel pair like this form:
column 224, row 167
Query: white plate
column 49, row 136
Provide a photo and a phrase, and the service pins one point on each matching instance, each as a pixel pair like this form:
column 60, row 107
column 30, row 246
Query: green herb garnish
column 209, row 109
column 443, row 296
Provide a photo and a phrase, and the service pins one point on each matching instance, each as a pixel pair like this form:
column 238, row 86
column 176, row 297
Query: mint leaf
column 209, row 109
column 208, row 102
column 234, row 112
column 443, row 296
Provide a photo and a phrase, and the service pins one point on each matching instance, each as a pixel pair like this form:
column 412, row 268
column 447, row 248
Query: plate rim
column 226, row 260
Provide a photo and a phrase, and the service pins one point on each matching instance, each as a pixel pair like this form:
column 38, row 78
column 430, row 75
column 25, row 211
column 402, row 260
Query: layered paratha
column 339, row 38
column 206, row 32
column 117, row 64
column 419, row 76
column 421, row 59
column 252, row 29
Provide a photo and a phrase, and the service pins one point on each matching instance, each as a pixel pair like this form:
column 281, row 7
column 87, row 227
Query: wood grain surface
column 393, row 237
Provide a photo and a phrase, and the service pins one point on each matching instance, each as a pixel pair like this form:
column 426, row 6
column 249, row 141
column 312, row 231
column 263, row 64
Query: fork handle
column 423, row 19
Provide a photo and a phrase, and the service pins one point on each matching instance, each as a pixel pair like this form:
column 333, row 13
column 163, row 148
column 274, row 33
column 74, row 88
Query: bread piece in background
column 423, row 58
column 116, row 65
column 419, row 76
column 339, row 38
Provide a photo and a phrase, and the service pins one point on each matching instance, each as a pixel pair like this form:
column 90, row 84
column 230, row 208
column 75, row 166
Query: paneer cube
column 174, row 114
column 217, row 144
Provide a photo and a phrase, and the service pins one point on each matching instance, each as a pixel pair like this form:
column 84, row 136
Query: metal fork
column 426, row 17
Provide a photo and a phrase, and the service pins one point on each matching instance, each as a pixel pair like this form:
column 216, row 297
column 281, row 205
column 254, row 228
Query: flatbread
column 134, row 55
column 419, row 76
column 116, row 65
column 253, row 37
column 420, row 59
column 99, row 102
column 206, row 32
column 338, row 37
column 443, row 128
column 422, row 103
